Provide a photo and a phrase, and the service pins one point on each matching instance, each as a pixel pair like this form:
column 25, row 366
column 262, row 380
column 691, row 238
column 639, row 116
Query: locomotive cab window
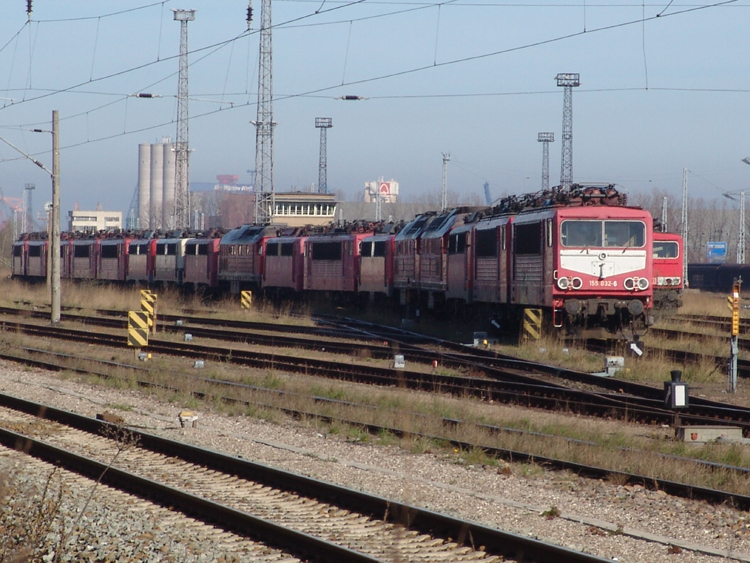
column 109, row 251
column 666, row 249
column 81, row 251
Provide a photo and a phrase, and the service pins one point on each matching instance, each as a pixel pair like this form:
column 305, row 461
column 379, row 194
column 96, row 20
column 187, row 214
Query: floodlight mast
column 323, row 123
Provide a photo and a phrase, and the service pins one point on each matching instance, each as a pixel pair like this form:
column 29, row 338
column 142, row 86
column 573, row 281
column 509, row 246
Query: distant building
column 388, row 191
column 94, row 221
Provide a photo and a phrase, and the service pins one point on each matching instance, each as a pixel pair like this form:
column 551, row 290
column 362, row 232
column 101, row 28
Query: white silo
column 169, row 183
column 144, row 185
column 157, row 185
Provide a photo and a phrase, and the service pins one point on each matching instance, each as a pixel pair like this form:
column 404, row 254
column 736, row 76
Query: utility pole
column 264, row 124
column 323, row 123
column 568, row 81
column 444, row 199
column 182, row 143
column 546, row 139
column 664, row 215
column 685, row 231
column 28, row 213
column 55, row 242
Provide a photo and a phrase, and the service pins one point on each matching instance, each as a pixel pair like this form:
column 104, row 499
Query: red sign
column 385, row 188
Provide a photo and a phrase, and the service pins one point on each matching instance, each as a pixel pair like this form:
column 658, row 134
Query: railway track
column 311, row 519
column 497, row 378
column 677, row 489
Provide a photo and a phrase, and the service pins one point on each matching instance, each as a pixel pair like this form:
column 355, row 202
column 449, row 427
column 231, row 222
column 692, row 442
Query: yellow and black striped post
column 137, row 329
column 246, row 299
column 532, row 324
column 148, row 305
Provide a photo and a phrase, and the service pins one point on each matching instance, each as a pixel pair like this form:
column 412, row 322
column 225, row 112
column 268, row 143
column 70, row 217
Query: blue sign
column 716, row 252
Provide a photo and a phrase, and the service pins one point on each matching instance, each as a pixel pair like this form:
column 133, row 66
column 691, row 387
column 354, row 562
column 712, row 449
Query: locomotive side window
column 272, row 248
column 365, row 249
column 326, row 251
column 191, row 249
column 286, row 249
column 35, row 251
column 81, row 251
column 109, row 251
column 486, row 243
column 202, row 249
column 379, row 248
column 457, row 244
column 17, row 250
column 664, row 249
column 527, row 239
column 171, row 249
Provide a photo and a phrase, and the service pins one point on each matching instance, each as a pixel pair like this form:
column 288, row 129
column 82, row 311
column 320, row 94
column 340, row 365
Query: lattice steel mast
column 323, row 123
column 182, row 142
column 264, row 124
column 568, row 80
column 664, row 228
column 444, row 198
column 545, row 138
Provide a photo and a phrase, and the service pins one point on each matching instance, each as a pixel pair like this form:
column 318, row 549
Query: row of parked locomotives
column 581, row 255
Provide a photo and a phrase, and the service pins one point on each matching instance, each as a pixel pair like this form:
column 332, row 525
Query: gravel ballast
column 622, row 523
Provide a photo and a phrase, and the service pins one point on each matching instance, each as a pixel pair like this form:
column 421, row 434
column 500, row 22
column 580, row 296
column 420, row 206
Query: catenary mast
column 568, row 80
column 264, row 124
column 182, row 143
column 545, row 138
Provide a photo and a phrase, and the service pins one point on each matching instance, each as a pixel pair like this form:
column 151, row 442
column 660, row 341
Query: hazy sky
column 475, row 78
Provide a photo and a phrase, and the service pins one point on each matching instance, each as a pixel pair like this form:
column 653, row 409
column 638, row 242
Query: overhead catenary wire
column 375, row 78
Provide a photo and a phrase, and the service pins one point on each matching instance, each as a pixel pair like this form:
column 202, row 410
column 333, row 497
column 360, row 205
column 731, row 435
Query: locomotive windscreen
column 666, row 249
column 603, row 233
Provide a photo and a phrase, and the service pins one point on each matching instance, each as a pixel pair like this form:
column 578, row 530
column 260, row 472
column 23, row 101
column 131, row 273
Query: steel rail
column 464, row 532
column 687, row 491
column 511, row 388
column 503, row 387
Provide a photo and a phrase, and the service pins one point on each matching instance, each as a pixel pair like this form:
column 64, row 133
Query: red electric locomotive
column 202, row 262
column 241, row 255
column 284, row 266
column 668, row 270
column 332, row 262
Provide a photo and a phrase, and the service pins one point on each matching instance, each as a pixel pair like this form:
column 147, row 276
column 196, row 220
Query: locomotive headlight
column 577, row 283
column 629, row 284
column 642, row 284
column 563, row 283
column 663, row 281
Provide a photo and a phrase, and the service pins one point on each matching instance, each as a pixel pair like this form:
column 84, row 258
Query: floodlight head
column 746, row 160
column 184, row 15
column 729, row 196
column 546, row 138
column 325, row 122
column 568, row 79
